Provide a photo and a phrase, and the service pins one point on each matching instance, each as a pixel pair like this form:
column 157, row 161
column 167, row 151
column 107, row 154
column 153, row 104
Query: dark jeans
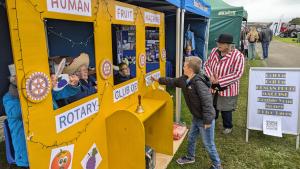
column 265, row 48
column 227, row 118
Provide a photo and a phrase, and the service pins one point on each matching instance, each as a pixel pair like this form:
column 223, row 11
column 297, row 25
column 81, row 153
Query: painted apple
column 62, row 160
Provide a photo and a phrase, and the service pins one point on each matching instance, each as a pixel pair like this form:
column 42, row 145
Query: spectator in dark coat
column 195, row 87
column 266, row 35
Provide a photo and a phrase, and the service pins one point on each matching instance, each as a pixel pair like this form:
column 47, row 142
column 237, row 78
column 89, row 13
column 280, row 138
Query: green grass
column 261, row 152
column 287, row 40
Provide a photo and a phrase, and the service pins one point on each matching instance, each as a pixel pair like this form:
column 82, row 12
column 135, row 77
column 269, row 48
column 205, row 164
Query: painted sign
column 75, row 115
column 124, row 13
column 62, row 157
column 274, row 92
column 156, row 75
column 75, row 7
column 227, row 13
column 125, row 91
column 199, row 5
column 152, row 18
column 92, row 159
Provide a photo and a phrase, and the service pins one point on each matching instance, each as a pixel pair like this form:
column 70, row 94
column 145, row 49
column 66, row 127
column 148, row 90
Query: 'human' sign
column 76, row 7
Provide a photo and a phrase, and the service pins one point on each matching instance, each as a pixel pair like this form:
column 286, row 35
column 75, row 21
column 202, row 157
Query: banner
column 274, row 92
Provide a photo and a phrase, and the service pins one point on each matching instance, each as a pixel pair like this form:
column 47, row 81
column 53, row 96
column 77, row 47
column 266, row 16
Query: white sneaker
column 227, row 131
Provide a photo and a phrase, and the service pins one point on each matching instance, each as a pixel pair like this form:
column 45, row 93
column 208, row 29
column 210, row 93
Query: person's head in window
column 123, row 74
column 124, row 70
column 78, row 65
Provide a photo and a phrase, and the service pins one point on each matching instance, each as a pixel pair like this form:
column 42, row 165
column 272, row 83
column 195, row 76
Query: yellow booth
column 123, row 46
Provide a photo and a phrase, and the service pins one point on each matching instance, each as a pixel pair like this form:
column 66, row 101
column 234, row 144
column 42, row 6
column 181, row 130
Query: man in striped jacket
column 224, row 68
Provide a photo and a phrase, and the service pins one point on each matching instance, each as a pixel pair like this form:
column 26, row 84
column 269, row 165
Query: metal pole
column 181, row 40
column 206, row 41
column 247, row 135
column 178, row 91
column 297, row 142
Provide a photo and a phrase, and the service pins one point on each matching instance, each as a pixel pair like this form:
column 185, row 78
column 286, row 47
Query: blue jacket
column 66, row 92
column 86, row 89
column 14, row 117
column 189, row 36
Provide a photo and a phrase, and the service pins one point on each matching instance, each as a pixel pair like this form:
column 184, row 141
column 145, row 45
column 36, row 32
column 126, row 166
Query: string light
column 60, row 35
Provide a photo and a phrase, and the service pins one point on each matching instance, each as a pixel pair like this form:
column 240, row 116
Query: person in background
column 123, row 73
column 252, row 38
column 13, row 111
column 266, row 36
column 195, row 87
column 224, row 68
column 246, row 44
column 189, row 51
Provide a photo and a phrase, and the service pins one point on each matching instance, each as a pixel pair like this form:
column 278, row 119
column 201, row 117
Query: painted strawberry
column 91, row 163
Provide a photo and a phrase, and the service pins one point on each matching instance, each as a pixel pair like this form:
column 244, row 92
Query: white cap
column 12, row 69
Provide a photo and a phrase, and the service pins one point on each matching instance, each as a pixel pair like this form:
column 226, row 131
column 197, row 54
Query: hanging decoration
column 74, row 43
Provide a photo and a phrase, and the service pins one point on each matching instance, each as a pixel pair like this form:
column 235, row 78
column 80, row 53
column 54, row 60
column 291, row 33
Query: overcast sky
column 268, row 10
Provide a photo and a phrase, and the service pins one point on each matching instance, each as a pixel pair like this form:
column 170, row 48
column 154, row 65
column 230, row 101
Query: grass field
column 262, row 152
column 287, row 40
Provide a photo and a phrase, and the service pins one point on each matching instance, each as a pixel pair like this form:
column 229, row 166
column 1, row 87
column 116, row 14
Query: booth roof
column 218, row 5
column 198, row 7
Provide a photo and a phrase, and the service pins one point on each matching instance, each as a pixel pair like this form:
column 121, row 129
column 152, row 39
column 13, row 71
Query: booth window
column 71, row 60
column 124, row 52
column 152, row 48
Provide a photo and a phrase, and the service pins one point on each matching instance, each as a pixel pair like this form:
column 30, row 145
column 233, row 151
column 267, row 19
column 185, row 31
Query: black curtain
column 5, row 53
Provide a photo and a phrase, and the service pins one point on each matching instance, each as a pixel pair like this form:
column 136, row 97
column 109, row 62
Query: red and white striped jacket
column 228, row 70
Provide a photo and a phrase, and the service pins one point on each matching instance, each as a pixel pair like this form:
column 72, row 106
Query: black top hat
column 225, row 38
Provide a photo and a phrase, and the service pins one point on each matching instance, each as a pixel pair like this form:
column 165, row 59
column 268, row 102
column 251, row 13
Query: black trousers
column 227, row 118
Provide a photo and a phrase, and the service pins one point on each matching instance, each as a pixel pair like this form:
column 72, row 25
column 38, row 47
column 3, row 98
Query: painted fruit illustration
column 62, row 160
column 91, row 163
column 61, row 82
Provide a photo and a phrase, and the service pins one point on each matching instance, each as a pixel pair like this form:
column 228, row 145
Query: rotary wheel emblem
column 37, row 86
column 106, row 69
column 142, row 60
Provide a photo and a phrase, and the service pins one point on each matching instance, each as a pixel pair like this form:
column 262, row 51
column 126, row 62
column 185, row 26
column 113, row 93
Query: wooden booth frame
column 119, row 134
